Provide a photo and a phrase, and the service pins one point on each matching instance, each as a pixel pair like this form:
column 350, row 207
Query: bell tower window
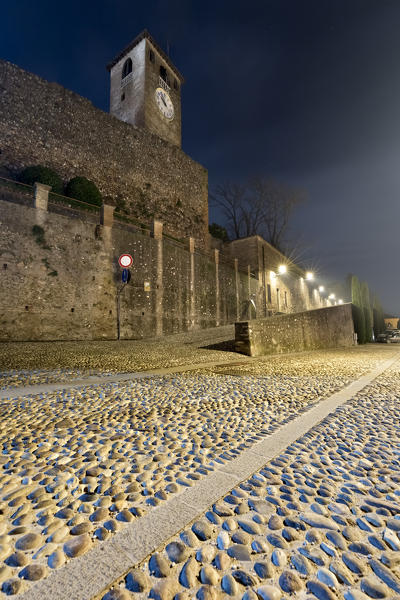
column 127, row 68
column 164, row 75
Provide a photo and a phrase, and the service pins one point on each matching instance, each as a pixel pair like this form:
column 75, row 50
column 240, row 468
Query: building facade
column 283, row 287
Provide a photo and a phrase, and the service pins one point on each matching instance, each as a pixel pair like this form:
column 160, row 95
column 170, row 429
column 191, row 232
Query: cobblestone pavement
column 24, row 363
column 19, row 378
column 321, row 520
column 77, row 465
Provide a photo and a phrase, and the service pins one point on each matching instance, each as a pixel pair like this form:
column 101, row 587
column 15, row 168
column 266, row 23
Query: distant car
column 394, row 338
column 391, row 336
column 381, row 337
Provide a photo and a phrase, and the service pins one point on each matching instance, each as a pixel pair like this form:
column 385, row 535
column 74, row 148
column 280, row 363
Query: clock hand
column 162, row 98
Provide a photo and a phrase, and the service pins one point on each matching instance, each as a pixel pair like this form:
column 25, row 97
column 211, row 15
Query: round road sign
column 125, row 261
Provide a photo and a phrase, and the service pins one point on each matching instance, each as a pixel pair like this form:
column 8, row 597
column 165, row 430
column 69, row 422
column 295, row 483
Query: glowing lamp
column 282, row 269
column 331, row 296
column 340, row 301
column 309, row 276
column 321, row 288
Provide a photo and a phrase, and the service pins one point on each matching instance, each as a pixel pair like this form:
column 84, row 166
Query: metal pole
column 249, row 291
column 119, row 311
column 118, row 326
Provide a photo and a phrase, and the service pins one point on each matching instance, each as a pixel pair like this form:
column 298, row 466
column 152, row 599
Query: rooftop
column 146, row 35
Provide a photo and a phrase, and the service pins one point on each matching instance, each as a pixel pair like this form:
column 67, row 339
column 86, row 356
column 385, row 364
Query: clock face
column 164, row 103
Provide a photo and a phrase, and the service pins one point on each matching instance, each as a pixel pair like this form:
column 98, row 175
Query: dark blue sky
column 307, row 91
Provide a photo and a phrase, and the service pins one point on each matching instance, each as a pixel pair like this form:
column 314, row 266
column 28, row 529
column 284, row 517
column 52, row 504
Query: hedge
column 41, row 174
column 84, row 190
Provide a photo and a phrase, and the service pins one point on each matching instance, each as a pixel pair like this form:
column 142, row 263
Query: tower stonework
column 145, row 89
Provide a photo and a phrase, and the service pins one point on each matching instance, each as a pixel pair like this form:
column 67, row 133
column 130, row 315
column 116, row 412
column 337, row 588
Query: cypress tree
column 366, row 309
column 378, row 319
column 358, row 313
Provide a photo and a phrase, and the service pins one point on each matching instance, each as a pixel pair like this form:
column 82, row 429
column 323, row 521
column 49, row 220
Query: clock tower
column 145, row 89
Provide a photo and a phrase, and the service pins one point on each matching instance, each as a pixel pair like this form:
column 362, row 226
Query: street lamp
column 282, row 269
column 321, row 288
column 309, row 276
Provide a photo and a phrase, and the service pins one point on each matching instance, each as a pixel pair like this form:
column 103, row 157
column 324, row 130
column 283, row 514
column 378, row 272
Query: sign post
column 125, row 261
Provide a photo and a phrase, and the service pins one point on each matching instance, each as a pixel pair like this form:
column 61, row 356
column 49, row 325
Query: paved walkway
column 25, row 363
column 123, row 465
column 320, row 520
column 83, row 579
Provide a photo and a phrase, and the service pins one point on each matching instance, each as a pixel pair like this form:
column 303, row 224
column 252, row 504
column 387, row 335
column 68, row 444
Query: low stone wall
column 320, row 328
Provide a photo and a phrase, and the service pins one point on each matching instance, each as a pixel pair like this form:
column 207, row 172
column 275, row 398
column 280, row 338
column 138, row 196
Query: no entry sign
column 125, row 261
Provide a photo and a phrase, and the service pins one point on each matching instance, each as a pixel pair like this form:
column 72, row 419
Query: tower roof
column 146, row 35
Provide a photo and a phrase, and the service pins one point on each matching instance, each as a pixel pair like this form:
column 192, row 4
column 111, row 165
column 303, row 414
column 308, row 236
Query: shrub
column 38, row 234
column 84, row 190
column 41, row 174
column 218, row 231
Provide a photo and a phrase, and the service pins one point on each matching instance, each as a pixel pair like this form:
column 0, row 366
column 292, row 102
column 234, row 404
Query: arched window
column 127, row 68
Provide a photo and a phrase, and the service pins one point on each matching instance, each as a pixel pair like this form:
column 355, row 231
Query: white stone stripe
column 44, row 388
column 86, row 577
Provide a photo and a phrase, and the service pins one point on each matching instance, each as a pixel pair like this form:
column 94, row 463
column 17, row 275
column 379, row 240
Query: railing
column 16, row 186
column 163, row 84
column 67, row 202
column 81, row 206
column 54, row 198
column 126, row 80
column 174, row 239
column 131, row 221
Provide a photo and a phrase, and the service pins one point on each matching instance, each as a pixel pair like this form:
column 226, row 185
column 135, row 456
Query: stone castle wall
column 44, row 123
column 62, row 284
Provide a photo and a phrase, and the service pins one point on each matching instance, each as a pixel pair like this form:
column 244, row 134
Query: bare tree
column 261, row 207
column 278, row 201
column 230, row 199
